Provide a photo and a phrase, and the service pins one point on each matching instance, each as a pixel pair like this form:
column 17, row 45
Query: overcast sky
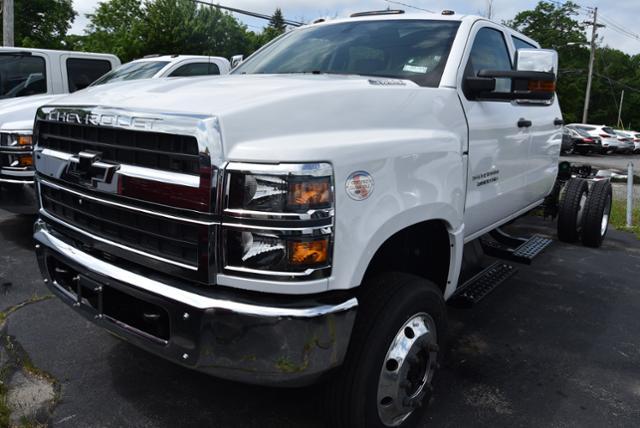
column 623, row 13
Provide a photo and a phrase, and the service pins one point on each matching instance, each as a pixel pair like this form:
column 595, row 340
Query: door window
column 196, row 69
column 521, row 44
column 82, row 72
column 490, row 52
column 22, row 75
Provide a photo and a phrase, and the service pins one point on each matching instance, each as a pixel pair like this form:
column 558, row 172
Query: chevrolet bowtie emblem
column 87, row 168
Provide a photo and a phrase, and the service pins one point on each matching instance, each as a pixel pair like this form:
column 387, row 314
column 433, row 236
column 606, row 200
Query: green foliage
column 133, row 28
column 555, row 26
column 42, row 23
column 275, row 28
column 115, row 27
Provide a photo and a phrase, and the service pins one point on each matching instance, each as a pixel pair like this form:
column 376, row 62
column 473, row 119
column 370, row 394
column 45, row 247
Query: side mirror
column 533, row 80
column 236, row 60
column 542, row 60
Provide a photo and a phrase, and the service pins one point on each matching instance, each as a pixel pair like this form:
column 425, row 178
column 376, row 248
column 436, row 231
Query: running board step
column 524, row 253
column 479, row 287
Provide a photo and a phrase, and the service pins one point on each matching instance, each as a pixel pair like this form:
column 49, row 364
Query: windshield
column 22, row 75
column 406, row 49
column 132, row 71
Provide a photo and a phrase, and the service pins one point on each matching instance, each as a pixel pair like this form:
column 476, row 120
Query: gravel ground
column 557, row 345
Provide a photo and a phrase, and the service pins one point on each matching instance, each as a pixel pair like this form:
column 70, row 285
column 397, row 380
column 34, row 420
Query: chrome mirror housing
column 541, row 60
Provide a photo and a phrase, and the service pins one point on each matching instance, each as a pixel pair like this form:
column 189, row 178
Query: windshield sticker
column 415, row 68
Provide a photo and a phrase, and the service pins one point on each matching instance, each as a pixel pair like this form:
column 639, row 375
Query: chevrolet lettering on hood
column 101, row 119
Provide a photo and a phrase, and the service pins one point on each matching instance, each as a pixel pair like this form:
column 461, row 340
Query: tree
column 42, row 23
column 276, row 27
column 554, row 26
column 115, row 27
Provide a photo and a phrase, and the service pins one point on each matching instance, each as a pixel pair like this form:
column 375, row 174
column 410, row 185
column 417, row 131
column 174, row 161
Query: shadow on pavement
column 18, row 230
column 174, row 396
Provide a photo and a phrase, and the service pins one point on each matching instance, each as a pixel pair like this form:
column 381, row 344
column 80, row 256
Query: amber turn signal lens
column 310, row 193
column 309, row 252
column 26, row 160
column 24, row 140
column 542, row 86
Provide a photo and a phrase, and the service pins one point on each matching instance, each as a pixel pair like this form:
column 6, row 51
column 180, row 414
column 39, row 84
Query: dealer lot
column 557, row 345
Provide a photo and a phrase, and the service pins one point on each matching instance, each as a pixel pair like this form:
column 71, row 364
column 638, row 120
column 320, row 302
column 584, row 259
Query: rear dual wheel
column 394, row 353
column 584, row 212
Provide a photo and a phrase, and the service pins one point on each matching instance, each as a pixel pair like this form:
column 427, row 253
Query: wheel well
column 423, row 249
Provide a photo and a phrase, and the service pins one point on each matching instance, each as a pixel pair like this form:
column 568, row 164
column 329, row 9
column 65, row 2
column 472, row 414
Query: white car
column 625, row 141
column 307, row 216
column 16, row 115
column 610, row 142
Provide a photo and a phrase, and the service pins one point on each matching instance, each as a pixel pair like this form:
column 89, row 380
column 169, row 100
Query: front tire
column 394, row 353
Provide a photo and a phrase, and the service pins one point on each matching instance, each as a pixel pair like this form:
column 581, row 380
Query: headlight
column 278, row 191
column 278, row 220
column 16, row 140
column 17, row 146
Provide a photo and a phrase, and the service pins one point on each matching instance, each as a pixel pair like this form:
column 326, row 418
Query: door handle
column 524, row 123
column 558, row 122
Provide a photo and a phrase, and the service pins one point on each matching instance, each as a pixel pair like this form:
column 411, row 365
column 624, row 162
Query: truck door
column 545, row 142
column 499, row 138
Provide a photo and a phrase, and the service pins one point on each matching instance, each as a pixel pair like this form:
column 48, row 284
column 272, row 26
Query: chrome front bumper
column 248, row 339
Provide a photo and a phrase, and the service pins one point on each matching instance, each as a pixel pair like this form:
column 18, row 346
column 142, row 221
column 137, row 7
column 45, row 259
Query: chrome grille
column 167, row 152
column 168, row 239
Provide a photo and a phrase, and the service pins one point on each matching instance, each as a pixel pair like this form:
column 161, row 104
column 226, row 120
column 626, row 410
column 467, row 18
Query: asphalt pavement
column 557, row 345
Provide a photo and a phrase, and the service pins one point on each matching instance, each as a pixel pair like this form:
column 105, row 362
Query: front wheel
column 394, row 353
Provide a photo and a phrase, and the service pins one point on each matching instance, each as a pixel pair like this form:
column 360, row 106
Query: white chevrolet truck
column 82, row 70
column 307, row 217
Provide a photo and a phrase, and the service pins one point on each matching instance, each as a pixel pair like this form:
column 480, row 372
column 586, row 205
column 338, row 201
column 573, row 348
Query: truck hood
column 281, row 111
column 19, row 113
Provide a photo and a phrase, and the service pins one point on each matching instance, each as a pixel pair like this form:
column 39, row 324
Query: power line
column 248, row 13
column 409, row 5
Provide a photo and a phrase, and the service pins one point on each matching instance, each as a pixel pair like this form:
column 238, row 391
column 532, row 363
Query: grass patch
column 619, row 217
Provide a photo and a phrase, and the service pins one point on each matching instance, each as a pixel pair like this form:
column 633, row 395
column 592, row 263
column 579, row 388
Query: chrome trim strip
column 133, row 171
column 318, row 169
column 17, row 172
column 302, row 230
column 17, row 132
column 6, row 180
column 263, row 215
column 195, row 300
column 274, row 273
column 128, row 207
column 44, row 213
column 20, row 150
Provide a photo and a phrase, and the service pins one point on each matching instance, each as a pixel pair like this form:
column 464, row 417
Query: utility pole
column 592, row 57
column 7, row 23
column 620, row 124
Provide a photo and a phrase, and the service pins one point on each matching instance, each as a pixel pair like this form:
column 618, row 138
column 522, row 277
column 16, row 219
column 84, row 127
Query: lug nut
column 185, row 316
column 185, row 356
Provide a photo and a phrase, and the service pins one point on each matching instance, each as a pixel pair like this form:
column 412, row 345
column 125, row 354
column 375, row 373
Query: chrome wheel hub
column 407, row 370
column 605, row 218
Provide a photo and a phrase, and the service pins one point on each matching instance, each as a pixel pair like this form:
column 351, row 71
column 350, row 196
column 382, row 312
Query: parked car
column 578, row 141
column 28, row 72
column 626, row 142
column 609, row 139
column 636, row 141
column 16, row 118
